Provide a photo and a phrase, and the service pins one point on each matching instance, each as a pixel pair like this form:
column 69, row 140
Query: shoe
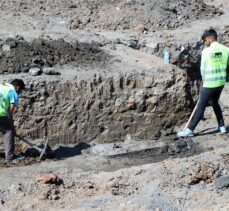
column 15, row 159
column 18, row 157
column 223, row 129
column 186, row 133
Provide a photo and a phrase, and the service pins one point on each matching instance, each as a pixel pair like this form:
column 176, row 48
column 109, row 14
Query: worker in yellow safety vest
column 214, row 62
column 9, row 98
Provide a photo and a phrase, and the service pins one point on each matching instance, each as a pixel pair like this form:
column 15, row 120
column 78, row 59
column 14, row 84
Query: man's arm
column 11, row 111
column 202, row 64
column 13, row 98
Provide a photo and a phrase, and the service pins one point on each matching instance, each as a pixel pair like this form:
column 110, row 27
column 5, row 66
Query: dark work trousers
column 208, row 95
column 8, row 130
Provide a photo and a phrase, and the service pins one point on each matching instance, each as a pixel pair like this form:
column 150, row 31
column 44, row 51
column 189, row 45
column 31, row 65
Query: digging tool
column 190, row 118
column 42, row 151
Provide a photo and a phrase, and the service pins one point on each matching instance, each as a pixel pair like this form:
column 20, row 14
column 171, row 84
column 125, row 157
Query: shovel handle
column 28, row 142
column 190, row 118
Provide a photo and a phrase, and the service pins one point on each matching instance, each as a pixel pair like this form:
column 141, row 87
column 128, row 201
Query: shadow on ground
column 208, row 131
column 63, row 152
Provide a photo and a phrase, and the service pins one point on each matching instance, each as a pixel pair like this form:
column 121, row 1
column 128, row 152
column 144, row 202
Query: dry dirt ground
column 164, row 174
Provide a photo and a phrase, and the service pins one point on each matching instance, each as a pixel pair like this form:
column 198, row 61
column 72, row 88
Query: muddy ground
column 97, row 88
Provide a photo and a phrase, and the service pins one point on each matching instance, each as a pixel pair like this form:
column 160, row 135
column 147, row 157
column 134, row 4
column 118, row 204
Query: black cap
column 209, row 33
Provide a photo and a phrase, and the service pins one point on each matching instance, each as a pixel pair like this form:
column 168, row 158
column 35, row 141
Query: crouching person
column 9, row 99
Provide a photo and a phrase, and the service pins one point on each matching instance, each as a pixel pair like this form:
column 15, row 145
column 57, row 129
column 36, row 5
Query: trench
column 113, row 156
column 154, row 152
column 96, row 105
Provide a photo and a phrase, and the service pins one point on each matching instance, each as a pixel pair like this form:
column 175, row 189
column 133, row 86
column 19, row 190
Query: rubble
column 48, row 178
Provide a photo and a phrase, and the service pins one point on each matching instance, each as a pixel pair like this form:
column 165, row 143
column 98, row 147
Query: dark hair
column 209, row 33
column 18, row 82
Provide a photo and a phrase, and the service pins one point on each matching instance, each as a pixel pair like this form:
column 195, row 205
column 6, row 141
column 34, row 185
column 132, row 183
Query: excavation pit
column 135, row 153
column 114, row 156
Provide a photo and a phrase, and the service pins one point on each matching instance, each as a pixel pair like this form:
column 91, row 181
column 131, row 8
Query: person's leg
column 216, row 106
column 8, row 131
column 205, row 96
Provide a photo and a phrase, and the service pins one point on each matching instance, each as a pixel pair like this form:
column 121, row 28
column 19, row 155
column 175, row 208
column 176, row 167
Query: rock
column 75, row 23
column 54, row 197
column 35, row 71
column 19, row 37
column 73, row 127
column 2, row 201
column 85, row 20
column 48, row 178
column 11, row 42
column 139, row 28
column 87, row 12
column 218, row 173
column 50, row 71
column 222, row 182
column 133, row 44
column 6, row 47
column 88, row 185
column 153, row 46
column 202, row 173
column 15, row 189
column 130, row 104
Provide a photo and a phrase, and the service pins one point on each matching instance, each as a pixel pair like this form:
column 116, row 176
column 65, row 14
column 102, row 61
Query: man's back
column 213, row 65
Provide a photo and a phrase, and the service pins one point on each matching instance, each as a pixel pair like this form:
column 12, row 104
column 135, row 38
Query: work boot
column 186, row 133
column 223, row 129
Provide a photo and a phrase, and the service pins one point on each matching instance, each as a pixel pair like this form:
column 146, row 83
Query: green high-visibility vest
column 4, row 101
column 215, row 65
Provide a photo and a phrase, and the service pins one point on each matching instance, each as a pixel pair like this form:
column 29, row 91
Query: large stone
column 50, row 71
column 6, row 47
column 139, row 28
column 11, row 42
column 222, row 182
column 35, row 71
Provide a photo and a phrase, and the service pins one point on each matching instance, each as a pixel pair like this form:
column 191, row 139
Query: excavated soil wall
column 146, row 105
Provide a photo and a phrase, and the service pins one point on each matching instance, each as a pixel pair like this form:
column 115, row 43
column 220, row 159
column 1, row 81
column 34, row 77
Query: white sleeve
column 202, row 65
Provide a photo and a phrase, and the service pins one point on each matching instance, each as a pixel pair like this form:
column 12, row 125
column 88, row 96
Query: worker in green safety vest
column 9, row 98
column 214, row 62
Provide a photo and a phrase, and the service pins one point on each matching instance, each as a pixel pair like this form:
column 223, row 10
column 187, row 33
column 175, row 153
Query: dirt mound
column 115, row 14
column 18, row 55
column 152, row 14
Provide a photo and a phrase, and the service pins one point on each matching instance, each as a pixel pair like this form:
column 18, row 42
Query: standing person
column 9, row 98
column 214, row 61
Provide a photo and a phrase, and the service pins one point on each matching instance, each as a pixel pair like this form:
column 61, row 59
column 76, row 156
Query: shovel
column 42, row 151
column 190, row 118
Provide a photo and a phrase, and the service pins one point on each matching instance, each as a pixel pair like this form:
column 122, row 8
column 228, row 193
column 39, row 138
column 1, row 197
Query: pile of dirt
column 115, row 14
column 18, row 55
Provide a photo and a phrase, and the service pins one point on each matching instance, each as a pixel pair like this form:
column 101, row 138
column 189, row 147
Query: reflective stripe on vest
column 4, row 101
column 215, row 66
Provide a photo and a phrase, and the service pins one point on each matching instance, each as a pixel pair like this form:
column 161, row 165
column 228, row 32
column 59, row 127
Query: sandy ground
column 93, row 180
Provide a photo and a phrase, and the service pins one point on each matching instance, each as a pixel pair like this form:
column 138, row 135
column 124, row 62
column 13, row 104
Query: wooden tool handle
column 190, row 118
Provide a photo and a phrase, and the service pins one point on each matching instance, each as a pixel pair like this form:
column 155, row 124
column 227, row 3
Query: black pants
column 207, row 95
